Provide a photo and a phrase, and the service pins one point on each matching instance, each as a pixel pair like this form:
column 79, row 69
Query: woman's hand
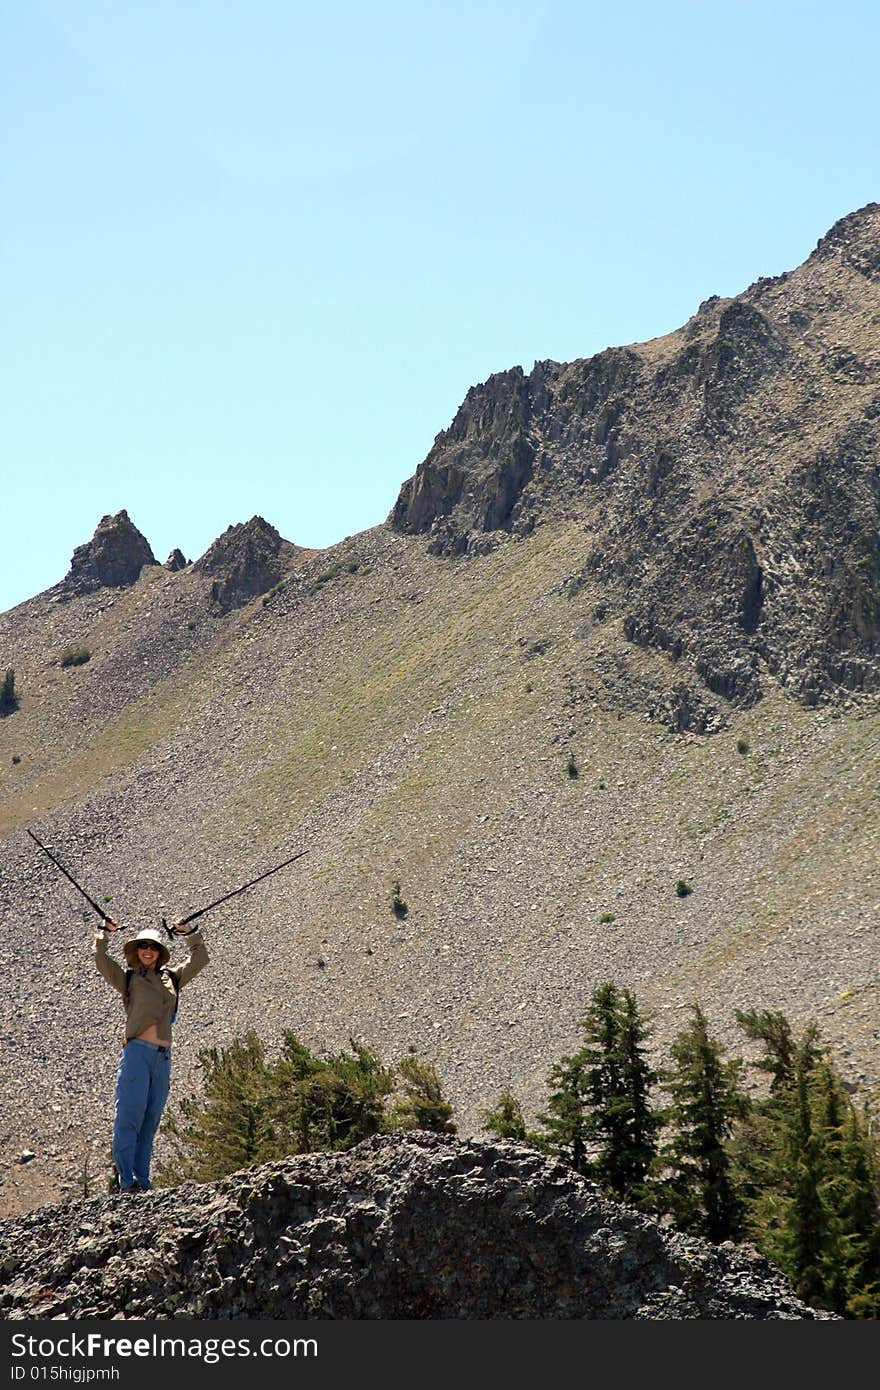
column 108, row 924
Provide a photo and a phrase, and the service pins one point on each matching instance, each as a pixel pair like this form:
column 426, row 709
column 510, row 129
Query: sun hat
column 148, row 937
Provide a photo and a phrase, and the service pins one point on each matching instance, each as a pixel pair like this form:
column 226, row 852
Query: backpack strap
column 165, row 970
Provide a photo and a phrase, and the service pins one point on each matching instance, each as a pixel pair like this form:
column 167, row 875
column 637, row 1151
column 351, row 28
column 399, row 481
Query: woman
column 149, row 989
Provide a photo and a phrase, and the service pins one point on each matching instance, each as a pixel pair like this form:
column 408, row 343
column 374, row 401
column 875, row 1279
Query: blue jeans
column 142, row 1084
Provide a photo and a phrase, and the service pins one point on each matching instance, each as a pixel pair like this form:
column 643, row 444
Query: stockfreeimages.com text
column 211, row 1350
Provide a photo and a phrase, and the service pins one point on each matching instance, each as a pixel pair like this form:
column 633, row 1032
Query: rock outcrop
column 477, row 468
column 402, row 1226
column 113, row 558
column 247, row 560
column 728, row 476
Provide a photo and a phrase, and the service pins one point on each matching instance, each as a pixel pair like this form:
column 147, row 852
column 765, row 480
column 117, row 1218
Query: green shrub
column 276, row 589
column 75, row 655
column 340, row 567
column 682, row 888
column 742, row 746
column 8, row 697
column 607, row 917
column 398, row 906
column 421, row 1104
column 504, row 1120
column 252, row 1110
column 571, row 766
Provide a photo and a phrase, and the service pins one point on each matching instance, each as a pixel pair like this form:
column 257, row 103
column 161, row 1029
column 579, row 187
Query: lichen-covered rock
column 402, row 1226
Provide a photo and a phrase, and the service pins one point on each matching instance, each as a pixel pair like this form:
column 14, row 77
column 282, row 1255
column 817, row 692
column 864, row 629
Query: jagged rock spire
column 113, row 558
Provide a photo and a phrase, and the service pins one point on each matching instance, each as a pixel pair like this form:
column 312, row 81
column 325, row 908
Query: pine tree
column 348, row 1096
column 566, row 1123
column 780, row 1049
column 229, row 1126
column 860, row 1214
column 599, row 1116
column 638, row 1124
column 330, row 1102
column 807, row 1243
column 8, row 697
column 809, row 1170
column 421, row 1104
column 505, row 1120
column 252, row 1111
column 851, row 1173
column 707, row 1100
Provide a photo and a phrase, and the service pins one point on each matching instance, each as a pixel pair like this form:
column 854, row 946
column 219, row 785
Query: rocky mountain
column 413, row 1226
column 619, row 633
column 727, row 473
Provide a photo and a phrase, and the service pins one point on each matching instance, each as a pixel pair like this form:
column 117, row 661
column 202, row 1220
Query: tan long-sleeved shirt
column 151, row 997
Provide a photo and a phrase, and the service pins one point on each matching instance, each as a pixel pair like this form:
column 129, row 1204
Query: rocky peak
column 113, row 558
column 248, row 559
column 855, row 240
column 176, row 561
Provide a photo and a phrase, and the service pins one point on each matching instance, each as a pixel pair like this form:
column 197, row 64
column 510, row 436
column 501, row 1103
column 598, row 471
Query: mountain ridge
column 712, row 430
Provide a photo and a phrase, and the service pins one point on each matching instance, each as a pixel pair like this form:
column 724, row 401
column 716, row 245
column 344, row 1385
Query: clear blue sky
column 254, row 252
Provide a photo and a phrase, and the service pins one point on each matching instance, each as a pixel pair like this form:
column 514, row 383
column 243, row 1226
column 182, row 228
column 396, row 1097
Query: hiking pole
column 91, row 902
column 175, row 931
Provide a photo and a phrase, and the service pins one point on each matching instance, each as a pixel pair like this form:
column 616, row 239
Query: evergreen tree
column 851, row 1170
column 780, row 1049
column 809, row 1170
column 8, row 697
column 638, row 1125
column 251, row 1111
column 707, row 1100
column 505, row 1120
column 860, row 1214
column 808, row 1247
column 229, row 1126
column 348, row 1095
column 329, row 1102
column 293, row 1074
column 421, row 1104
column 566, row 1123
column 599, row 1117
